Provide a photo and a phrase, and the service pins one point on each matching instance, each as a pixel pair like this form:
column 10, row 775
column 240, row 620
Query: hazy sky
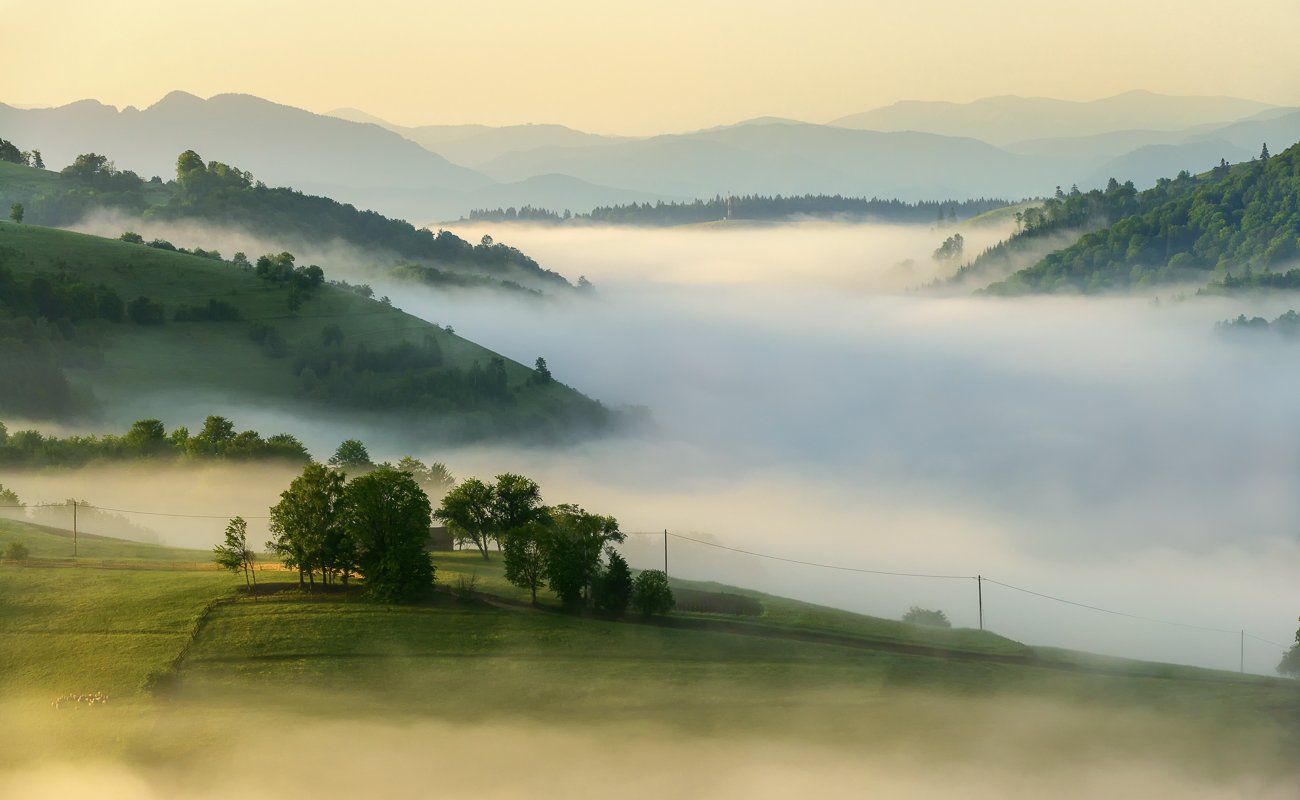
column 644, row 67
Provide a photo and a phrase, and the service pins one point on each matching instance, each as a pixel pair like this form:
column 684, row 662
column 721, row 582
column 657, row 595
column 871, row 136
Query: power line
column 1107, row 610
column 133, row 511
column 822, row 566
column 1250, row 635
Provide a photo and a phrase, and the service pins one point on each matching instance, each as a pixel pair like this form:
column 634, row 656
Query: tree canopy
column 386, row 518
column 1243, row 217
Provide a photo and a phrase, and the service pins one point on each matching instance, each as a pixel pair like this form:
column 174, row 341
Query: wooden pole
column 665, row 552
column 979, row 586
column 74, row 528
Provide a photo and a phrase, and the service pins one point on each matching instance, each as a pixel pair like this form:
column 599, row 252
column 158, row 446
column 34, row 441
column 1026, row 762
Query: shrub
column 17, row 551
column 651, row 593
column 922, row 616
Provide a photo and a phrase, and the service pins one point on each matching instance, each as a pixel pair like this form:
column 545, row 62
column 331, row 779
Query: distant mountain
column 471, row 145
column 792, row 158
column 1198, row 150
column 413, row 172
column 1008, row 119
column 358, row 163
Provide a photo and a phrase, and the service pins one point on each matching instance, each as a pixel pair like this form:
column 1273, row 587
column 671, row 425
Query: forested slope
column 1235, row 226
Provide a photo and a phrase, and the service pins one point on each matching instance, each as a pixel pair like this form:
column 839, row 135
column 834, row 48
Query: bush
column 17, row 551
column 143, row 311
column 922, row 616
column 651, row 593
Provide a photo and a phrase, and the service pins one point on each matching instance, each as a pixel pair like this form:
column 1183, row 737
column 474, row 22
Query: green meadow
column 172, row 641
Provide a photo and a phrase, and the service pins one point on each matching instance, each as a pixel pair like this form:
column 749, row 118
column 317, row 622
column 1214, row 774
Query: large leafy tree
column 305, row 526
column 386, row 514
column 467, row 512
column 516, row 501
column 577, row 541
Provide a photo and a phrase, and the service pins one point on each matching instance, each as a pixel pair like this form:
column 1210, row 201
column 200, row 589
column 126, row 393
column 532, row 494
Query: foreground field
column 195, row 671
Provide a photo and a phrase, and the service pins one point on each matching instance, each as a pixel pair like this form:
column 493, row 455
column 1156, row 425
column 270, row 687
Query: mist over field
column 906, row 746
column 805, row 401
column 1100, row 450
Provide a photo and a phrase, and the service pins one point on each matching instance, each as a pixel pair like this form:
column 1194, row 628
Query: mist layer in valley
column 906, row 746
column 805, row 403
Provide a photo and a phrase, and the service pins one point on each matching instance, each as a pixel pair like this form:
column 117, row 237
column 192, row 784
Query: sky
column 644, row 68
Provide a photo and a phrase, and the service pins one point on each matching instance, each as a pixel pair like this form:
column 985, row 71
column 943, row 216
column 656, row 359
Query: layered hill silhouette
column 1009, row 119
column 1014, row 147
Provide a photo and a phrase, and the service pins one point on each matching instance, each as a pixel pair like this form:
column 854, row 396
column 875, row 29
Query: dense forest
column 753, row 207
column 225, row 195
column 1244, row 217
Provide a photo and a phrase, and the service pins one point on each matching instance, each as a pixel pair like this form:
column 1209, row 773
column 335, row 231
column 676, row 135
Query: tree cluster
column 951, row 249
column 562, row 547
column 28, row 158
column 1286, row 325
column 148, row 439
column 375, row 525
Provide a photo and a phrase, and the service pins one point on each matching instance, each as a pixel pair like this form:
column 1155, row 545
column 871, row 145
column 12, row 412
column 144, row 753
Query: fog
column 807, row 402
column 1115, row 452
column 901, row 746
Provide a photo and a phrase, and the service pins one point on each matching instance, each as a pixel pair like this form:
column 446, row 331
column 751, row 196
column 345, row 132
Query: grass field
column 76, row 626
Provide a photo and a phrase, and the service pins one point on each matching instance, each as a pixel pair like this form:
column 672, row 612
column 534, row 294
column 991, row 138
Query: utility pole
column 74, row 528
column 979, row 587
column 1243, row 649
column 665, row 552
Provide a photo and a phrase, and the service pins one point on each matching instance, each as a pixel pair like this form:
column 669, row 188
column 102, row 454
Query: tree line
column 148, row 439
column 1244, row 216
column 753, row 207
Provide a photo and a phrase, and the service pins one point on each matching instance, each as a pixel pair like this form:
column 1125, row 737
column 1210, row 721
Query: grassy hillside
column 1244, row 218
column 276, row 341
column 223, row 195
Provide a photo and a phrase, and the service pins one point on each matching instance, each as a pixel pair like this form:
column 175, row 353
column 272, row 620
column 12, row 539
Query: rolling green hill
column 223, row 195
column 1244, row 217
column 79, row 335
column 145, row 624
